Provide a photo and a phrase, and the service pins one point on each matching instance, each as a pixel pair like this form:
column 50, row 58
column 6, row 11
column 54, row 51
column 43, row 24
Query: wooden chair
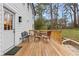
column 49, row 34
column 36, row 35
column 46, row 37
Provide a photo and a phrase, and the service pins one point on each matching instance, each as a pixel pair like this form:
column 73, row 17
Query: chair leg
column 22, row 40
column 28, row 39
column 49, row 37
column 34, row 39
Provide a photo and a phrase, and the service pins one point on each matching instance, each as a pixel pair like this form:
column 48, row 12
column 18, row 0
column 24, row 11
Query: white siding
column 0, row 26
column 0, row 29
column 27, row 20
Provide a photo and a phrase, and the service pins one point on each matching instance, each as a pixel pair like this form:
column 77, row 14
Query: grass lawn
column 71, row 33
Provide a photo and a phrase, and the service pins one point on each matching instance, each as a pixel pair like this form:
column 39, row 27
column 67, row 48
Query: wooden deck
column 42, row 48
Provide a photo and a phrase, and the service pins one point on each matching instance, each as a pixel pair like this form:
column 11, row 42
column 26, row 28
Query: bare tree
column 54, row 14
column 68, row 13
column 73, row 7
column 78, row 14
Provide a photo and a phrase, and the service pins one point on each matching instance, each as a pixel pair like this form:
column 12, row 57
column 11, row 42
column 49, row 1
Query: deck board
column 42, row 48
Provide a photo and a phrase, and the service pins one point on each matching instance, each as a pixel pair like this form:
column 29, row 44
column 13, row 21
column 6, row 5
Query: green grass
column 71, row 33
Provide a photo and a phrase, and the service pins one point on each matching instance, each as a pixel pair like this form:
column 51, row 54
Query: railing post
column 56, row 35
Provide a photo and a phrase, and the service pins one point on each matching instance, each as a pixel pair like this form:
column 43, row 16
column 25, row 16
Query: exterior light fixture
column 20, row 19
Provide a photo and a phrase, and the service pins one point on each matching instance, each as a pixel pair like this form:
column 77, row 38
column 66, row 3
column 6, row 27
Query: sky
column 47, row 16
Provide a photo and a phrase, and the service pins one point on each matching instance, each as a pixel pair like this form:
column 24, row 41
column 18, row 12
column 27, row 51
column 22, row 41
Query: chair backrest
column 23, row 34
column 31, row 32
column 48, row 33
column 36, row 33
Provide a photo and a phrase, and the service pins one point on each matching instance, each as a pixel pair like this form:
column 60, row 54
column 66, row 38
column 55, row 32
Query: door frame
column 13, row 21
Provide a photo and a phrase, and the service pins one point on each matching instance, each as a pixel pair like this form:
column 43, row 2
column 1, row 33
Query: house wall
column 0, row 26
column 27, row 19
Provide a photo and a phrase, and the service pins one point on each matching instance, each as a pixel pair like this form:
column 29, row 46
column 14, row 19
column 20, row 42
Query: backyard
column 71, row 33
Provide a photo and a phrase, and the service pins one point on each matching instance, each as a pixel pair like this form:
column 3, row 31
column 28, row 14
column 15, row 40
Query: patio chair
column 46, row 37
column 36, row 36
column 31, row 33
column 49, row 34
column 24, row 35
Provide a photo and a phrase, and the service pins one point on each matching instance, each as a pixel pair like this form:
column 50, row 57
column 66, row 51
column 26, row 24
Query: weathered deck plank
column 42, row 48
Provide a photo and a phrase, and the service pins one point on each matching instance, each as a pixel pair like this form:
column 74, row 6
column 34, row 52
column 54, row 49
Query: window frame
column 10, row 14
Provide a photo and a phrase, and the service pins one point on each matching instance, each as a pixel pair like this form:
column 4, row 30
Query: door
column 8, row 33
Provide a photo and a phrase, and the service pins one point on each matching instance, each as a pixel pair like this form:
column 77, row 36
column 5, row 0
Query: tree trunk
column 75, row 12
column 51, row 11
column 78, row 19
column 75, row 24
column 78, row 14
column 71, row 21
column 51, row 15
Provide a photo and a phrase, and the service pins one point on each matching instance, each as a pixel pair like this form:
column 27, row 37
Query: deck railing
column 55, row 34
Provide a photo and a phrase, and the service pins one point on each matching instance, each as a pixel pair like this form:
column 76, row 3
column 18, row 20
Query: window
column 8, row 21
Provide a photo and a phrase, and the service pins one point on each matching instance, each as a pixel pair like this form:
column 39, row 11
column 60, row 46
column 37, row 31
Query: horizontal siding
column 0, row 25
column 27, row 21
